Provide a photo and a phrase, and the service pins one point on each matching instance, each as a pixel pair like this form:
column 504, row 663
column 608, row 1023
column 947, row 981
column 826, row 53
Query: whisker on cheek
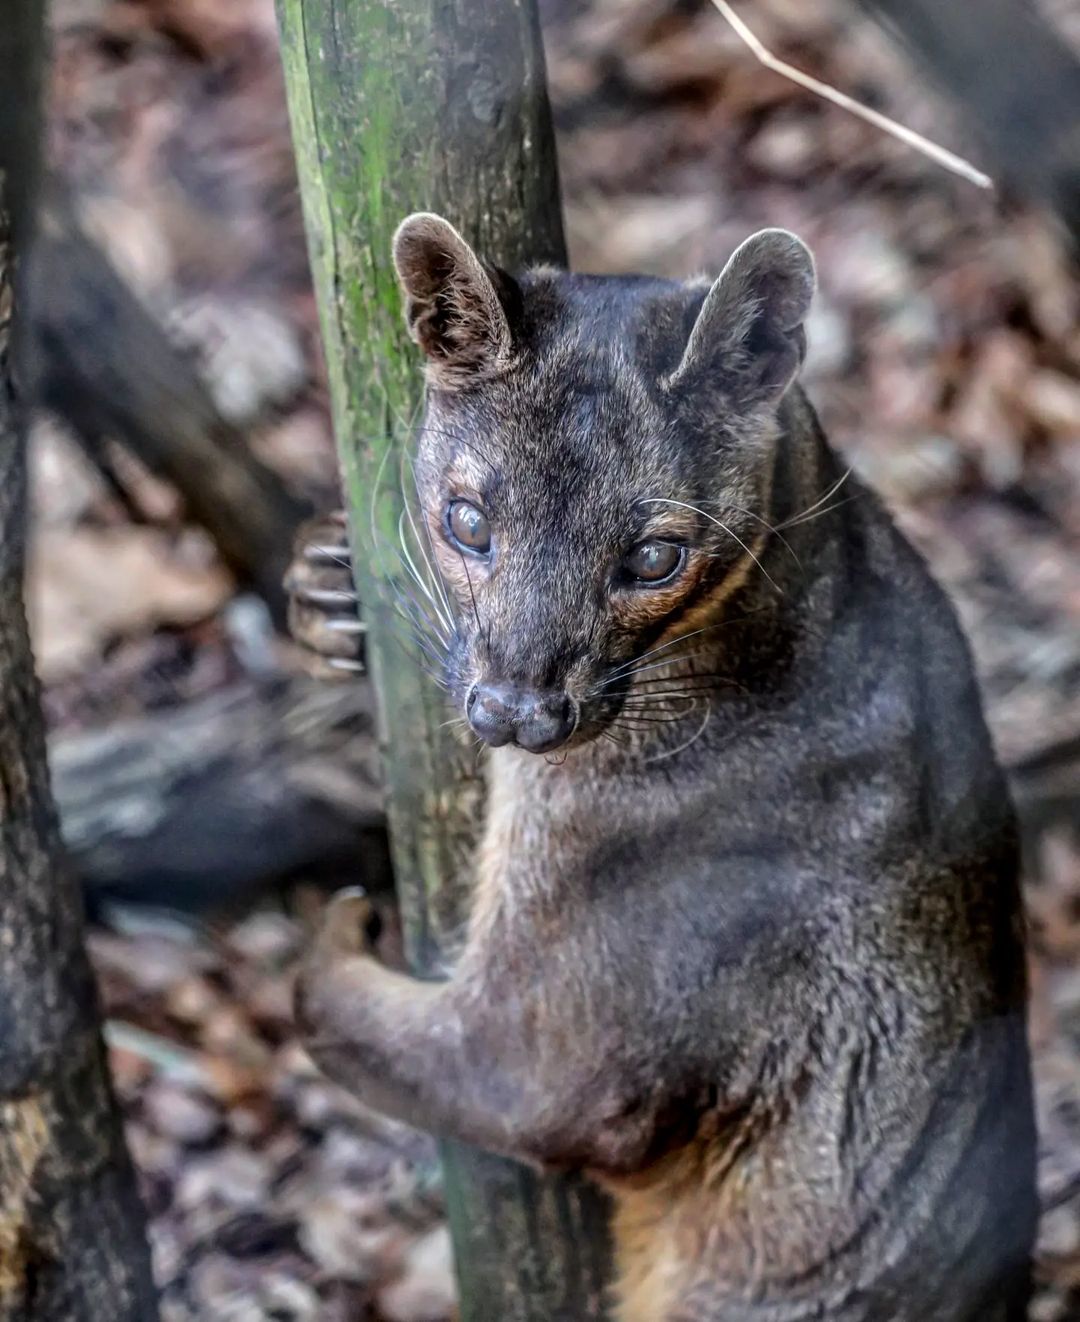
column 738, row 509
column 667, row 663
column 752, row 552
column 671, row 752
column 657, row 700
column 429, row 593
column 430, row 562
column 821, row 500
column 646, row 722
column 609, row 734
column 634, row 661
column 677, row 680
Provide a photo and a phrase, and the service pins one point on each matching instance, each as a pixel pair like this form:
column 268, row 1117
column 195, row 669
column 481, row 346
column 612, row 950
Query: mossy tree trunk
column 435, row 105
column 72, row 1247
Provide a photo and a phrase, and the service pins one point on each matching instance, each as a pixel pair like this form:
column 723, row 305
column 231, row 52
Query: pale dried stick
column 941, row 155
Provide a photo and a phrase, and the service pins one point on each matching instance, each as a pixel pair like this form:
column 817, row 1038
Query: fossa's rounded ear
column 452, row 307
column 748, row 341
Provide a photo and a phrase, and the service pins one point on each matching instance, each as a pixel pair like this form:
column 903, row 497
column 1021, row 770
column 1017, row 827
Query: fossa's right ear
column 452, row 306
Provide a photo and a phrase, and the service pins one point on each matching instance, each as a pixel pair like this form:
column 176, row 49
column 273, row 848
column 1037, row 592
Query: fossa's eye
column 653, row 562
column 469, row 527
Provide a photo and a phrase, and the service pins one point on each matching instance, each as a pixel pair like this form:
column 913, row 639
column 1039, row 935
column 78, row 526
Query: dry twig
column 941, row 155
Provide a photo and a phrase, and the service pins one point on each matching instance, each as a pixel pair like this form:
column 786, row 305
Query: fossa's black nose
column 503, row 713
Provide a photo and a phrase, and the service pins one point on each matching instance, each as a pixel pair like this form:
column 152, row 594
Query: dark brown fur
column 748, row 950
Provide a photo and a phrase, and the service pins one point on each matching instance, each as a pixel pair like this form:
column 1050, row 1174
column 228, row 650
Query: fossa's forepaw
column 333, row 964
column 324, row 610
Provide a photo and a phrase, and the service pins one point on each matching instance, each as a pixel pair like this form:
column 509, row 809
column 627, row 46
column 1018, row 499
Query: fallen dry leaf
column 89, row 586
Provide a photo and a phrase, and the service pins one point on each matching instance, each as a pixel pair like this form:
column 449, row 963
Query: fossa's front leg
column 445, row 1059
column 384, row 1036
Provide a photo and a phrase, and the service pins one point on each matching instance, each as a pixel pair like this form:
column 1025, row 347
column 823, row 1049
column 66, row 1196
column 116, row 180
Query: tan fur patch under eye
column 642, row 605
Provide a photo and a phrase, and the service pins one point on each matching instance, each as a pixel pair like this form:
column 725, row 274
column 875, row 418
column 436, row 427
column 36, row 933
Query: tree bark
column 1014, row 78
column 102, row 363
column 72, row 1247
column 430, row 105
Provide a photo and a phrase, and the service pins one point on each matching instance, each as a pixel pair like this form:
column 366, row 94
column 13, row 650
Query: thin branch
column 941, row 155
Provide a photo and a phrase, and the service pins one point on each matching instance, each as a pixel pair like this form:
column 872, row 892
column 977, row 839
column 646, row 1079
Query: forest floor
column 945, row 360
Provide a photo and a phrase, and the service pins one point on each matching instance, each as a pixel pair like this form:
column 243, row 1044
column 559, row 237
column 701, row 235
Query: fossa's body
column 745, row 942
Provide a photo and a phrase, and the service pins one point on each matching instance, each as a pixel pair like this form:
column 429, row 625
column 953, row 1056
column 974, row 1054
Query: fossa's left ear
column 748, row 341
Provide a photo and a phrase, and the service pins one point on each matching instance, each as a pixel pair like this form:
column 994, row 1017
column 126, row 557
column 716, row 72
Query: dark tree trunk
column 414, row 106
column 1016, row 81
column 72, row 1247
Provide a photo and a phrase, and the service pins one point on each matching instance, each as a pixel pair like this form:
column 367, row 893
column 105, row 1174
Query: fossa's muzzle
column 501, row 712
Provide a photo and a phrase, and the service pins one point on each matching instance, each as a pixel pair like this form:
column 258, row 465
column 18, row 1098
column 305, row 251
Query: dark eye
column 653, row 562
column 469, row 527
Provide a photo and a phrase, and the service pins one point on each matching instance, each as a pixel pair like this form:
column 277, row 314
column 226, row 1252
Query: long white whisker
column 651, row 712
column 435, row 576
column 472, row 596
column 419, row 579
column 692, row 684
column 421, row 628
column 809, row 518
column 765, row 523
column 790, row 523
column 404, row 631
column 420, row 633
column 654, row 665
column 669, row 661
column 681, row 504
column 629, row 665
column 321, row 549
column 670, row 752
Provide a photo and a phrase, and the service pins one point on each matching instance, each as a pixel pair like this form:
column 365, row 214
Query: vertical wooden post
column 72, row 1247
column 430, row 105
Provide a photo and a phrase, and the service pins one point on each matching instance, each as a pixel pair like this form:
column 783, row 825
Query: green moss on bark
column 435, row 105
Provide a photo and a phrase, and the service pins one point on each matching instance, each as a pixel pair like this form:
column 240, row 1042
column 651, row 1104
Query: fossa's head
column 593, row 464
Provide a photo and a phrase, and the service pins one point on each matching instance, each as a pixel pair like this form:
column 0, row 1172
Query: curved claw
column 346, row 666
column 349, row 926
column 323, row 604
